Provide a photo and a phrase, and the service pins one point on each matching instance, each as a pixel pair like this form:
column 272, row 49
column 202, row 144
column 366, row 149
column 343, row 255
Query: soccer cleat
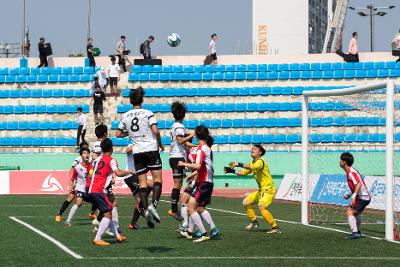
column 275, row 230
column 154, row 213
column 187, row 234
column 92, row 216
column 58, row 218
column 176, row 215
column 149, row 219
column 252, row 225
column 67, row 223
column 183, row 228
column 203, row 238
column 354, row 235
column 214, row 232
column 121, row 239
column 133, row 226
column 95, row 222
column 100, row 243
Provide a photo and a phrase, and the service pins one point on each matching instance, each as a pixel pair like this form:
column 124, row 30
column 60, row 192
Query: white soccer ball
column 174, row 39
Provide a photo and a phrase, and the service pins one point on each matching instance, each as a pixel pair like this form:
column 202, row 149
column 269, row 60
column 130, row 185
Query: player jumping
column 360, row 197
column 266, row 188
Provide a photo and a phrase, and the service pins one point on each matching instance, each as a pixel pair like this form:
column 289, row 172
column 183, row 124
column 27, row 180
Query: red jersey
column 353, row 178
column 104, row 167
column 204, row 157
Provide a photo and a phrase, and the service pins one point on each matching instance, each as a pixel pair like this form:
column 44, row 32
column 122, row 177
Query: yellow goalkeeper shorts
column 261, row 197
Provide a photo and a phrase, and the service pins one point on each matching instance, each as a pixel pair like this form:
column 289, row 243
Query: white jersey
column 79, row 177
column 79, row 160
column 177, row 150
column 130, row 163
column 138, row 122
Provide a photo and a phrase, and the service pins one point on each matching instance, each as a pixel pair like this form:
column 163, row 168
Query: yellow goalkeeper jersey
column 259, row 168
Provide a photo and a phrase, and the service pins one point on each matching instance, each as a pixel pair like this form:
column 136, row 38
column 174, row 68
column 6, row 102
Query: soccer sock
column 72, row 212
column 197, row 221
column 136, row 215
column 185, row 216
column 94, row 208
column 113, row 228
column 157, row 187
column 269, row 218
column 115, row 216
column 143, row 197
column 102, row 228
column 174, row 199
column 207, row 217
column 353, row 223
column 358, row 222
column 191, row 225
column 64, row 206
column 250, row 213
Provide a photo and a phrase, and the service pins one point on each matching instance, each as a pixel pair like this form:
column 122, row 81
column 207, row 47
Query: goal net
column 361, row 120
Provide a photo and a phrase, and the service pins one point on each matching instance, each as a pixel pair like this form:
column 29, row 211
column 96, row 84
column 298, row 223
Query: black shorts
column 84, row 195
column 110, row 193
column 98, row 108
column 113, row 81
column 102, row 200
column 147, row 161
column 177, row 171
column 214, row 56
column 202, row 193
column 133, row 183
column 360, row 205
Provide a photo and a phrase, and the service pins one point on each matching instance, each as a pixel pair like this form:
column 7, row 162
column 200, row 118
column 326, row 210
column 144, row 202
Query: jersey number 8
column 134, row 124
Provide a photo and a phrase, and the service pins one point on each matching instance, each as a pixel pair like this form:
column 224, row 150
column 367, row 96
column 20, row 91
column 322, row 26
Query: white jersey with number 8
column 138, row 123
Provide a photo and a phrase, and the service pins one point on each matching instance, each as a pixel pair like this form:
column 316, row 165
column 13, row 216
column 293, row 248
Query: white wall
column 287, row 25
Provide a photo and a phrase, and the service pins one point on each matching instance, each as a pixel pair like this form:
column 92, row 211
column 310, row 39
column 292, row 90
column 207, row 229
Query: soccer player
column 71, row 195
column 360, row 197
column 202, row 191
column 78, row 184
column 104, row 167
column 141, row 126
column 266, row 188
column 177, row 153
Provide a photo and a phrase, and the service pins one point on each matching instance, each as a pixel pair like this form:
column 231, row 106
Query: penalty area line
column 52, row 240
column 244, row 258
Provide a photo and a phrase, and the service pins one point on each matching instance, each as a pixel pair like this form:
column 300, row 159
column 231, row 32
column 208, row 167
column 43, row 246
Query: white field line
column 52, row 240
column 245, row 258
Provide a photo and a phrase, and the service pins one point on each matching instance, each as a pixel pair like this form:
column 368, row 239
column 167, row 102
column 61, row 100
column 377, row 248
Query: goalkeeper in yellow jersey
column 266, row 189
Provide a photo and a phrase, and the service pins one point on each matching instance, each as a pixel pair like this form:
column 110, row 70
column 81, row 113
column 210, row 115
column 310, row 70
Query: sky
column 64, row 24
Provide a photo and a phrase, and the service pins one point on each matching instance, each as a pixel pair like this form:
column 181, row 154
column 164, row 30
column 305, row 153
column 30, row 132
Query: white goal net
column 361, row 120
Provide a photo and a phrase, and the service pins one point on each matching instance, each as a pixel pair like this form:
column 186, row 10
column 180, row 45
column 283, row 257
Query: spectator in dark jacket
column 90, row 52
column 42, row 53
column 147, row 48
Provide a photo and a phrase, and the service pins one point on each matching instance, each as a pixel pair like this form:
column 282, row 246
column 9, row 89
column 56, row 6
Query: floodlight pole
column 89, row 17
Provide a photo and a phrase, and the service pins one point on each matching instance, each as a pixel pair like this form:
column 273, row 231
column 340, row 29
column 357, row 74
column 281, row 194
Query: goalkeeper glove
column 228, row 170
column 235, row 164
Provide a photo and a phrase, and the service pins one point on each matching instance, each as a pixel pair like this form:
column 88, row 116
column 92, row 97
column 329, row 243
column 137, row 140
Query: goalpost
column 371, row 101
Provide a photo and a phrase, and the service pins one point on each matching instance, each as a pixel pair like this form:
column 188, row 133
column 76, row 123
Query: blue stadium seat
column 361, row 138
column 229, row 76
column 55, row 125
column 10, row 78
column 282, row 122
column 24, row 71
column 166, row 140
column 196, row 76
column 45, row 71
column 293, row 138
column 62, row 109
column 273, row 67
column 78, row 70
column 33, row 125
column 360, row 74
column 51, row 109
column 68, row 93
column 338, row 138
column 327, row 138
column 58, row 93
column 234, row 139
column 295, row 106
column 70, row 141
column 273, row 75
column 315, row 66
column 157, row 68
column 19, row 109
column 4, row 93
column 280, row 138
column 252, row 68
column 226, row 123
column 294, row 67
column 215, row 124
column 337, row 66
column 78, row 93
column 327, row 74
column 5, row 141
column 185, row 76
column 283, row 75
column 25, row 93
column 283, row 67
column 84, row 78
column 74, row 78
column 326, row 66
column 368, row 65
column 176, row 68
column 340, row 121
column 294, row 75
column 218, row 76
column 348, row 65
column 338, row 74
column 383, row 73
column 138, row 68
column 268, row 138
column 42, row 78
column 53, row 78
column 284, row 106
column 222, row 139
column 32, row 79
column 298, row 90
column 44, row 125
column 379, row 65
column 66, row 125
column 241, row 68
column 154, row 77
column 246, row 139
column 188, row 68
column 14, row 71
column 63, row 78
column 372, row 73
column 262, row 67
column 12, row 125
column 59, row 141
column 133, row 77
column 21, row 78
column 27, row 141
column 240, row 75
column 88, row 70
column 251, row 76
column 143, row 77
column 199, row 68
column 67, row 70
column 49, row 141
column 294, row 122
column 16, row 141
column 305, row 75
column 305, row 66
column 261, row 76
column 350, row 74
column 4, row 71
column 316, row 74
column 394, row 73
column 167, row 68
column 40, row 109
column 175, row 76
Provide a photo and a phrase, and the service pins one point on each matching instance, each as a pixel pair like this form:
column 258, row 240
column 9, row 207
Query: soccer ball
column 174, row 39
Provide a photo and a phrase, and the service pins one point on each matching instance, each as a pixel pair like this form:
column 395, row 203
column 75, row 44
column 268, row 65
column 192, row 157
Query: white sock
column 113, row 228
column 115, row 216
column 353, row 223
column 72, row 212
column 185, row 216
column 197, row 221
column 102, row 228
column 358, row 220
column 191, row 225
column 207, row 217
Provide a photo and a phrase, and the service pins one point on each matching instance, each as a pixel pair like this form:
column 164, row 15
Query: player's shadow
column 158, row 249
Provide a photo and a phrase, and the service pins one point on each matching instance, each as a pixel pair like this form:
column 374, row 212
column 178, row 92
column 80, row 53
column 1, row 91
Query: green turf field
column 298, row 245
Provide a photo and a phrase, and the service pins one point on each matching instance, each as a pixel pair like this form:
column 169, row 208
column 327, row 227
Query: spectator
column 90, row 52
column 103, row 78
column 98, row 99
column 396, row 46
column 113, row 73
column 42, row 53
column 95, row 84
column 146, row 51
column 122, row 54
column 353, row 47
column 212, row 50
column 82, row 124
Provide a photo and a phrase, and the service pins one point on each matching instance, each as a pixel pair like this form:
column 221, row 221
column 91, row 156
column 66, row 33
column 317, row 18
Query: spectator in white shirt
column 82, row 124
column 113, row 73
column 212, row 51
column 122, row 54
column 103, row 78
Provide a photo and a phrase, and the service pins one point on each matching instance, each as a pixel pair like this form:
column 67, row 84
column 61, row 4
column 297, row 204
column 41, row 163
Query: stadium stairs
column 247, row 99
